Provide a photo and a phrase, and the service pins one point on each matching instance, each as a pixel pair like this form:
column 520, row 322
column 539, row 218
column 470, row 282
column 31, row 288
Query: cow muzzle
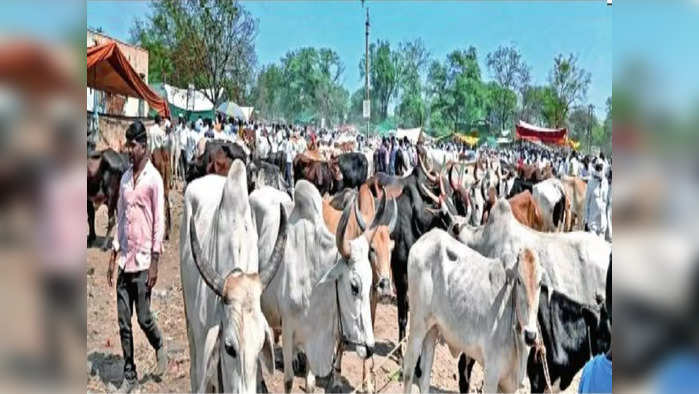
column 383, row 288
column 529, row 337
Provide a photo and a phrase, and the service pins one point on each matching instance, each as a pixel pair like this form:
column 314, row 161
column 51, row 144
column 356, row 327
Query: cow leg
column 110, row 228
column 402, row 301
column 417, row 335
column 168, row 223
column 465, row 367
column 337, row 367
column 91, row 236
column 491, row 377
column 287, row 354
column 310, row 380
column 368, row 385
column 427, row 358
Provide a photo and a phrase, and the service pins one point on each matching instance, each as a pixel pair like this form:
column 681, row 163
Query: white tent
column 178, row 97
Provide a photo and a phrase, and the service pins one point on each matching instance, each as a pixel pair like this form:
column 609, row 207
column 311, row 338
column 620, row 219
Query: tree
column 580, row 122
column 267, row 92
column 412, row 61
column 209, row 43
column 570, row 84
column 511, row 73
column 458, row 97
column 384, row 76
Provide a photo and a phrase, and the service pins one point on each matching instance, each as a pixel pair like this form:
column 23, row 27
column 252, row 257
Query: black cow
column 354, row 168
column 519, row 185
column 200, row 166
column 104, row 171
column 572, row 334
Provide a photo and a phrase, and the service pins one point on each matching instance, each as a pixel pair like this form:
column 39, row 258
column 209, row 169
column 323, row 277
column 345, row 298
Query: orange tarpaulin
column 108, row 70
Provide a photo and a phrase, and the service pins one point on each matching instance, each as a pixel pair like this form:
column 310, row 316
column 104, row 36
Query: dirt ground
column 105, row 363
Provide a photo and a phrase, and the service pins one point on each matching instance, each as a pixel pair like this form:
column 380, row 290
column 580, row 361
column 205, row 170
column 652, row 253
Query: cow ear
column 546, row 281
column 333, row 273
column 266, row 356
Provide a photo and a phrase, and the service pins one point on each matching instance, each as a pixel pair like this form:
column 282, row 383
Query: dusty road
column 105, row 363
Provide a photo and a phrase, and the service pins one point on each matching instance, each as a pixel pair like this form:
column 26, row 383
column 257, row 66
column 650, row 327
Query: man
column 137, row 249
column 596, row 201
column 289, row 154
column 392, row 157
column 156, row 135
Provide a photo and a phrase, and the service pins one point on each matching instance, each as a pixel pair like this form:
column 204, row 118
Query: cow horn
column 275, row 259
column 340, row 241
column 215, row 281
column 429, row 193
column 441, row 186
column 378, row 213
column 451, row 179
column 358, row 214
column 429, row 176
column 394, row 217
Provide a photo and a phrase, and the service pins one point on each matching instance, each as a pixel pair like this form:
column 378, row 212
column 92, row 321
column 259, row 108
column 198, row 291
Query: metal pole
column 366, row 71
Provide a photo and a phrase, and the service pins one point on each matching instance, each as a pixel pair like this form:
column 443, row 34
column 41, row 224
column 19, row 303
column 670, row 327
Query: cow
column 216, row 159
column 221, row 286
column 262, row 173
column 524, row 209
column 104, row 171
column 551, row 198
column 324, row 279
column 353, row 167
column 161, row 161
column 380, row 246
column 414, row 219
column 484, row 307
column 575, row 264
column 320, row 173
column 575, row 189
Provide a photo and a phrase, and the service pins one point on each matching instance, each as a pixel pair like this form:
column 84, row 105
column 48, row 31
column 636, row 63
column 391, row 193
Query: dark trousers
column 287, row 174
column 132, row 289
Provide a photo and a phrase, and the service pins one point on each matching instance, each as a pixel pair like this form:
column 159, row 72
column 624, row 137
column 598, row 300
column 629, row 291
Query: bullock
column 221, row 286
column 575, row 189
column 161, row 161
column 551, row 198
column 524, row 209
column 320, row 294
column 414, row 219
column 104, row 171
column 380, row 246
column 216, row 159
column 320, row 173
column 575, row 264
column 261, row 173
column 483, row 307
column 353, row 167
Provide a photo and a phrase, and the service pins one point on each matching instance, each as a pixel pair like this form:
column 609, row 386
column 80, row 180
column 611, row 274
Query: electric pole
column 366, row 72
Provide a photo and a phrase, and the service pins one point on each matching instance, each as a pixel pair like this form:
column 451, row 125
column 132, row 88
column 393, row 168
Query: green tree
column 413, row 59
column 209, row 43
column 267, row 92
column 569, row 83
column 511, row 73
column 458, row 97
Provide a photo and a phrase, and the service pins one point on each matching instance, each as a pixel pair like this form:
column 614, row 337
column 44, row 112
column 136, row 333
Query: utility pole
column 589, row 128
column 366, row 70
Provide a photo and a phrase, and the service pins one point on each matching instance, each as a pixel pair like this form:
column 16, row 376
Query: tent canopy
column 549, row 136
column 411, row 134
column 232, row 109
column 108, row 70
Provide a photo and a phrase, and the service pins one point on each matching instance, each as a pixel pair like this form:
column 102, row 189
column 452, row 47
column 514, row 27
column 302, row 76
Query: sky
column 541, row 30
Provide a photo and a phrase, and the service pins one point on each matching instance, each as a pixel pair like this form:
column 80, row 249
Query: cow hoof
column 368, row 387
column 91, row 241
column 299, row 364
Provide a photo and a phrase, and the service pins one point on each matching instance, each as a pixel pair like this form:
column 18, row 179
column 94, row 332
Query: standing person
column 289, row 156
column 156, row 135
column 137, row 248
column 596, row 201
column 392, row 157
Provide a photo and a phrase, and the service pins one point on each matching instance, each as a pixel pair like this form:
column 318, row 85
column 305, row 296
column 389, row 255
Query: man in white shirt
column 156, row 135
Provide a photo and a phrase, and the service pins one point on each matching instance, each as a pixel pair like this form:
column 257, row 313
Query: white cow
column 221, row 286
column 551, row 198
column 485, row 308
column 320, row 295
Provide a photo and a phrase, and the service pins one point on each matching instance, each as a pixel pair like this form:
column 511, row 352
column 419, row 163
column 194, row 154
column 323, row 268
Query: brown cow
column 524, row 209
column 380, row 245
column 321, row 174
column 575, row 189
column 161, row 161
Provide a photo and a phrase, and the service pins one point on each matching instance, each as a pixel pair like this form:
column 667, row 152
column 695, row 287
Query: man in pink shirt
column 137, row 247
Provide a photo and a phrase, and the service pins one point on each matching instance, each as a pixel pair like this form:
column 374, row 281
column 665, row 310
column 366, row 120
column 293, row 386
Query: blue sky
column 541, row 30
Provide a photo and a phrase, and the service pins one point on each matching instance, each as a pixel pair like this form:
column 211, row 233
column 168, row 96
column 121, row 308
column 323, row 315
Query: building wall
column 138, row 57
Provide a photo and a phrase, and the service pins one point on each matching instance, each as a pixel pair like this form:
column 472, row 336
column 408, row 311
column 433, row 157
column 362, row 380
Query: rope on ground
column 373, row 368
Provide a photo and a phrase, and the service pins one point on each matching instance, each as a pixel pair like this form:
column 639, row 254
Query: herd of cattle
column 487, row 255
